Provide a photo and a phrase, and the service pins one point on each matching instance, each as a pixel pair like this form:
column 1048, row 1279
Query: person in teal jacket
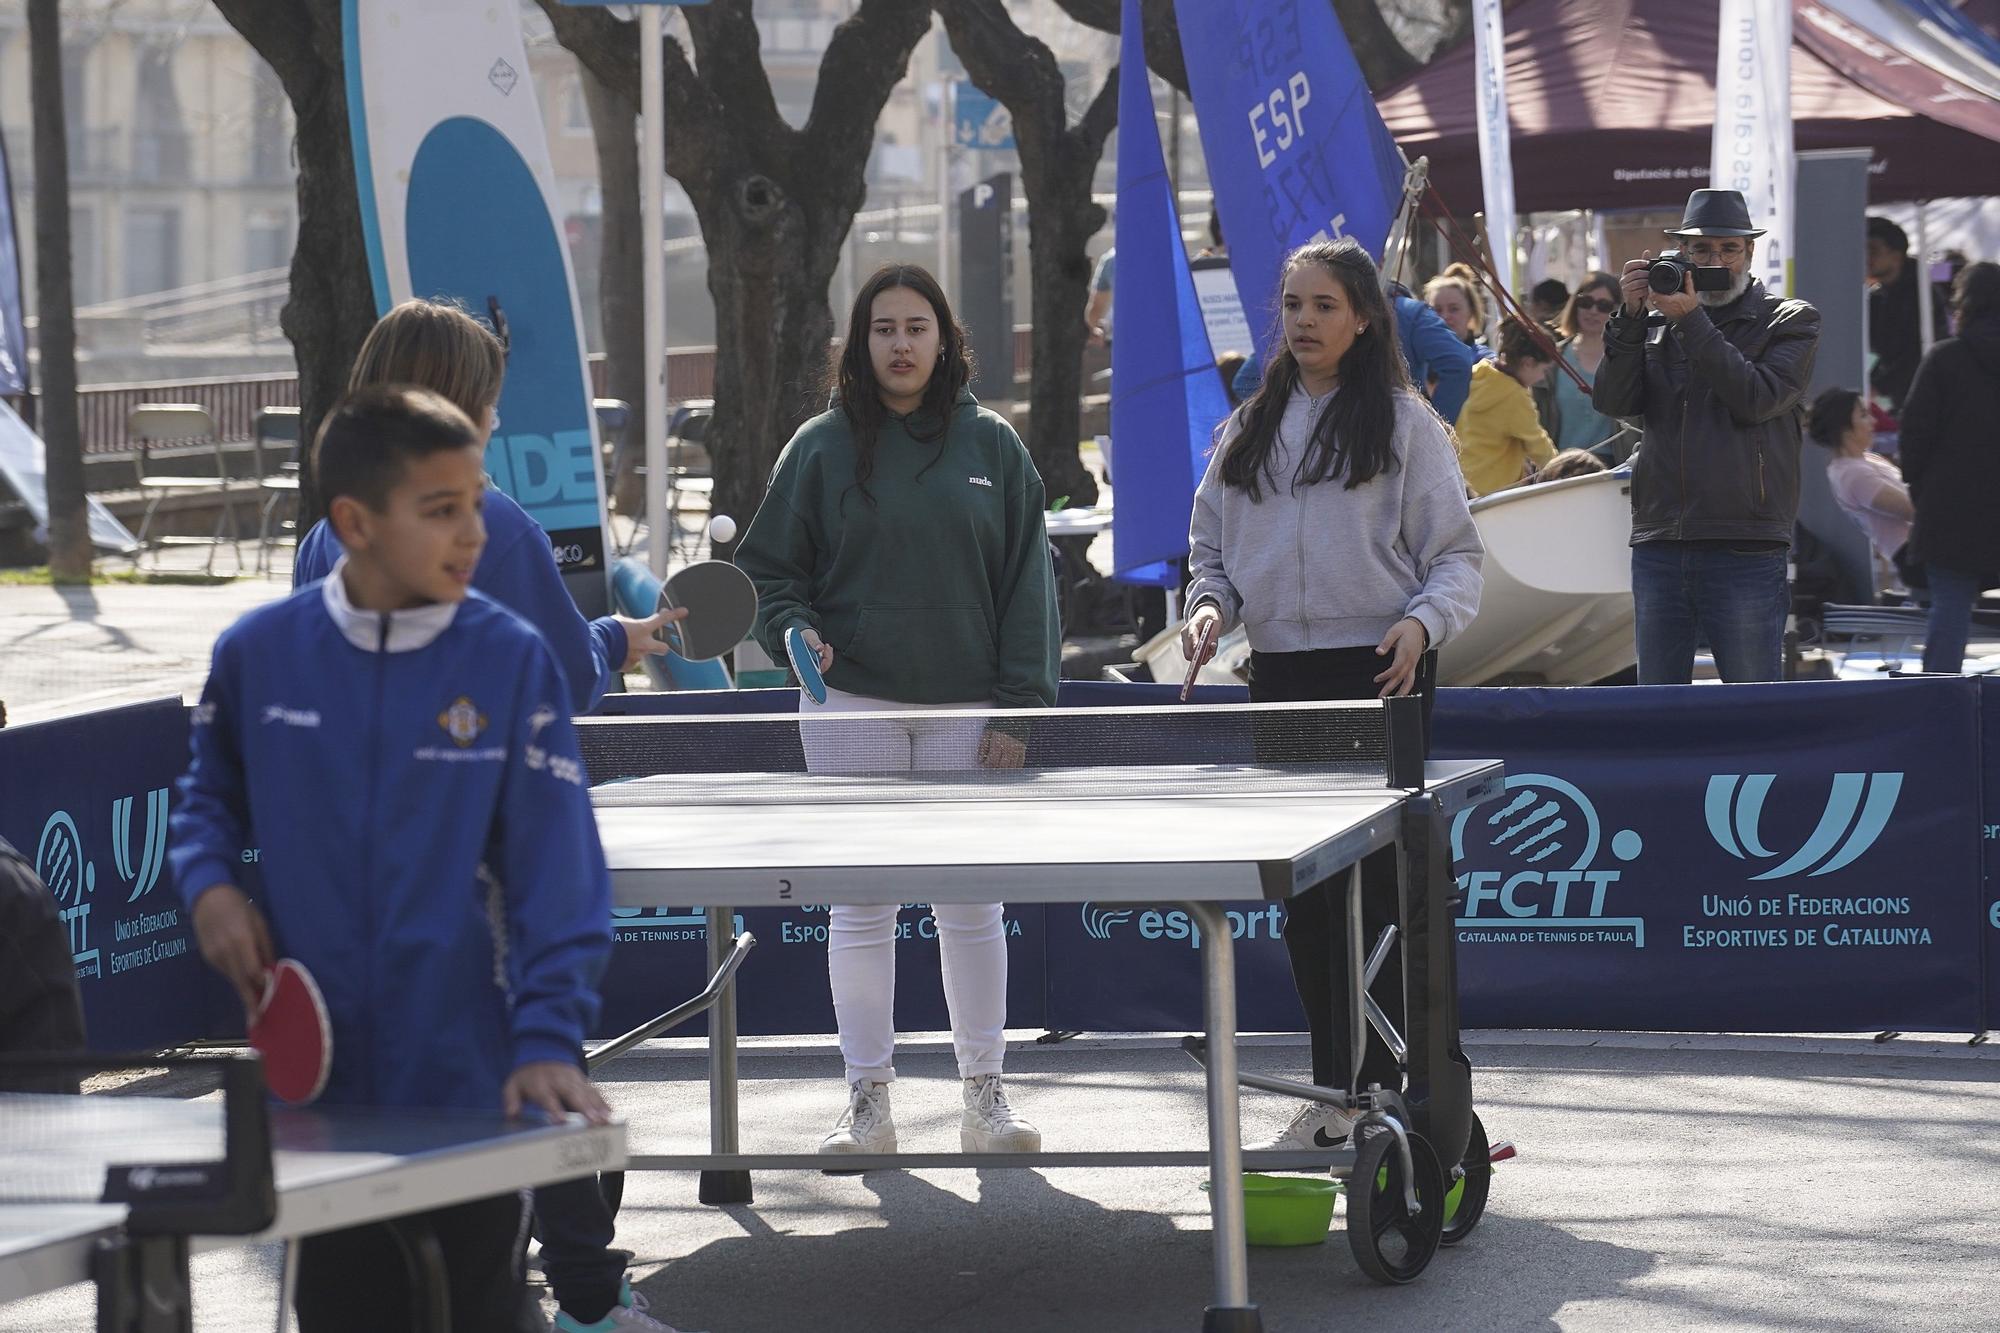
column 903, row 533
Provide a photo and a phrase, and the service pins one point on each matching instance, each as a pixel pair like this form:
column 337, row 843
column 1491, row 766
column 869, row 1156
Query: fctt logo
column 1857, row 810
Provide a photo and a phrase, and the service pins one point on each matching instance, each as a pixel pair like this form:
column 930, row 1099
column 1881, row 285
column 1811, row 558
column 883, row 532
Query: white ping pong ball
column 722, row 528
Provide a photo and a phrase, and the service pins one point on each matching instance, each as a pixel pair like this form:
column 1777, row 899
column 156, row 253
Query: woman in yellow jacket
column 1500, row 435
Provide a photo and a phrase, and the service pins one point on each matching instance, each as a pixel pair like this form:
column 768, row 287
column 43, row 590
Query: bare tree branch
column 1162, row 32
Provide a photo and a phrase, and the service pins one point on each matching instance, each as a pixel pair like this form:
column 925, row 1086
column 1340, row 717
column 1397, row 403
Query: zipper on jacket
column 371, row 913
column 1760, row 474
column 1680, row 523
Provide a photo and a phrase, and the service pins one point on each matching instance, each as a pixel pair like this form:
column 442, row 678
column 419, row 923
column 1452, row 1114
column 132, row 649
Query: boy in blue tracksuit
column 517, row 572
column 400, row 749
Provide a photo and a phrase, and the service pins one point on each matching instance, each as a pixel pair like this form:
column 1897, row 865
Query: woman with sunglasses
column 1565, row 406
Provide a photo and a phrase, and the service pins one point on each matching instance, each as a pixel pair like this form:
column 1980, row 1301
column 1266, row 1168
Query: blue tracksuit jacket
column 516, row 571
column 379, row 785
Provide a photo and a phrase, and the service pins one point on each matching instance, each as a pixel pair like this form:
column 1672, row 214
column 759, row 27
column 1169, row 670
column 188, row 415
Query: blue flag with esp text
column 13, row 329
column 1296, row 149
column 1166, row 394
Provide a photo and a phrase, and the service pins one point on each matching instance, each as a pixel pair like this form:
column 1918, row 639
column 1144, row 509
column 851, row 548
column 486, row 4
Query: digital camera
column 1669, row 273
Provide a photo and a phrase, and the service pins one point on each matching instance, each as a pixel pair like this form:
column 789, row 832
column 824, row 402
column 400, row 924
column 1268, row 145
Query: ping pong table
column 1068, row 827
column 324, row 1170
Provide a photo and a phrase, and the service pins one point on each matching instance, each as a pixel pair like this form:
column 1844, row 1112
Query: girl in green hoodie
column 903, row 534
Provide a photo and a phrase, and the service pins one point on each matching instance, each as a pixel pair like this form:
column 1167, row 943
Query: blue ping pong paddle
column 805, row 664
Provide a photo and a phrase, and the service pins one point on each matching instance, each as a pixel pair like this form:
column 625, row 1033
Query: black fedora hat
column 1716, row 213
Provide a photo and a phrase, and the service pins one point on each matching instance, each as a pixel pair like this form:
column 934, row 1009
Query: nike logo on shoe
column 1324, row 1140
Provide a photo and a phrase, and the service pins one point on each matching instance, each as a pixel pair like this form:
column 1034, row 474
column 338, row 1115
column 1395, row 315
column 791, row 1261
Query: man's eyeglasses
column 1706, row 250
column 1600, row 305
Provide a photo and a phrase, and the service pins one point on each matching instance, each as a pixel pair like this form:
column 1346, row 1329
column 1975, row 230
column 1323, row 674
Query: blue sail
column 13, row 332
column 1166, row 395
column 1296, row 149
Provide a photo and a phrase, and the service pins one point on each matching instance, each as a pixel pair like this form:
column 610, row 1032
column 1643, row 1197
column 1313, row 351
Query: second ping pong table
column 1197, row 834
column 322, row 1171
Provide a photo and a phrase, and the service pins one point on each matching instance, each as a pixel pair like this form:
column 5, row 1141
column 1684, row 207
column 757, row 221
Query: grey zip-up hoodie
column 1328, row 567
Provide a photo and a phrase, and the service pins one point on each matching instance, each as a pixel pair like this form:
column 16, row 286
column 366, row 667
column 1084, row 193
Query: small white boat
column 1557, row 606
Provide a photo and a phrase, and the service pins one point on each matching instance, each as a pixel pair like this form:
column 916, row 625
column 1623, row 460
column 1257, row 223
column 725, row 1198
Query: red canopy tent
column 1612, row 103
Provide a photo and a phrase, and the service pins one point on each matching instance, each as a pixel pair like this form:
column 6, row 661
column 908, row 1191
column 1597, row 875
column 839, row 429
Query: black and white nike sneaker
column 1315, row 1127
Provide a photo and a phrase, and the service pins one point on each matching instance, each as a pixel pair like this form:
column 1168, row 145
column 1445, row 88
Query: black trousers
column 359, row 1278
column 1316, row 920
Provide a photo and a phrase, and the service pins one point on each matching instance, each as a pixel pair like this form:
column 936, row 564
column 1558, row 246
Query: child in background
column 1500, row 437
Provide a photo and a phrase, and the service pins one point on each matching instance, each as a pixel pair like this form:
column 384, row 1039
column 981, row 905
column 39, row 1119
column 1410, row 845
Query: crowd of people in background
column 1907, row 454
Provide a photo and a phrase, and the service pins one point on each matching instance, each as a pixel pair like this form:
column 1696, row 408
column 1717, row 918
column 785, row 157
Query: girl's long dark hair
column 1354, row 438
column 850, row 376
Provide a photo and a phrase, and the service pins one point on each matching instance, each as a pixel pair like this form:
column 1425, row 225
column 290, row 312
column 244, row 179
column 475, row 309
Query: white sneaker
column 990, row 1125
column 865, row 1126
column 1315, row 1127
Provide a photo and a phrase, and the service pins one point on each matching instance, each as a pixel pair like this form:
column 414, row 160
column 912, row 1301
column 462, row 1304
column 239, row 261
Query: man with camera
column 1715, row 374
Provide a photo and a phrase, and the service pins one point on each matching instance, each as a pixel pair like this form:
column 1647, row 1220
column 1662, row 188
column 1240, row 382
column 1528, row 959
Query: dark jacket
column 1951, row 454
column 1719, row 397
column 40, row 1013
column 1895, row 321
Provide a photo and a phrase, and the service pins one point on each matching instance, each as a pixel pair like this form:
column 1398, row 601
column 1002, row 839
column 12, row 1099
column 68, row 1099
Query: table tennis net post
column 183, row 1143
column 1351, row 744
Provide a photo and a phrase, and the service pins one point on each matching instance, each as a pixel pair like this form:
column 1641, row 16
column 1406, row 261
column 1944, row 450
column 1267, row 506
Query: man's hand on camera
column 1634, row 287
column 1677, row 306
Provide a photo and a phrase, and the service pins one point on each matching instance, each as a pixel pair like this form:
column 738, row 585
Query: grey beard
column 1740, row 285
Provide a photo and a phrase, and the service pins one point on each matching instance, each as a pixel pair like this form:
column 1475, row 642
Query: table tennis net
column 995, row 752
column 85, row 1146
column 183, row 1143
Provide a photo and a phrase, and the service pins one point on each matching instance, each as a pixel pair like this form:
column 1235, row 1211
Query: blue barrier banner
column 1800, row 857
column 86, row 801
column 1789, row 858
column 660, row 960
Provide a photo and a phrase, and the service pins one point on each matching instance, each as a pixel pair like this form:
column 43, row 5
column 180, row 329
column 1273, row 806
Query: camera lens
column 1666, row 275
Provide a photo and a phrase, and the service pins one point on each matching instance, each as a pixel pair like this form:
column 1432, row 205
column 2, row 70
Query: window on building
column 160, row 143
column 270, row 132
column 152, row 250
column 267, row 240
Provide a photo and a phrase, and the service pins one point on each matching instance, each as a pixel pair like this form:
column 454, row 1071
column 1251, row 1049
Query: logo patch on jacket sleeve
column 980, row 481
column 462, row 721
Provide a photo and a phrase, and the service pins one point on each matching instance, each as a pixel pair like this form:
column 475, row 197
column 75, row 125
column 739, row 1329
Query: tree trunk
column 774, row 202
column 1058, row 162
column 69, row 515
column 332, row 302
column 614, row 123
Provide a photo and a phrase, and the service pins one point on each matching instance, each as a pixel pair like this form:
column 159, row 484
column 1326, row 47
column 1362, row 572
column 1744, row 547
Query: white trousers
column 861, row 941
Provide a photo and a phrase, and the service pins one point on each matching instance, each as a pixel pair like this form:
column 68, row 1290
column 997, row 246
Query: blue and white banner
column 1778, row 858
column 1296, row 150
column 1167, row 397
column 13, row 327
column 1496, row 151
column 1752, row 147
column 86, row 800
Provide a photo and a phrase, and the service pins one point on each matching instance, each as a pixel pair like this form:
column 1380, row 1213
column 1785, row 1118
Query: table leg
column 1357, row 982
column 719, row 1187
column 1232, row 1311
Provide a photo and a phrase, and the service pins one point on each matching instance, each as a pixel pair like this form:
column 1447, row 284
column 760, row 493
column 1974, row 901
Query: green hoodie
column 935, row 585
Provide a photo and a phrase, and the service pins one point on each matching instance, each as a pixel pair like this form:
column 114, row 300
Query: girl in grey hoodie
column 1332, row 524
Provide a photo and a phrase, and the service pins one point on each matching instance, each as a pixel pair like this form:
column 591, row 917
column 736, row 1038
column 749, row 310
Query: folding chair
column 277, row 426
column 178, row 453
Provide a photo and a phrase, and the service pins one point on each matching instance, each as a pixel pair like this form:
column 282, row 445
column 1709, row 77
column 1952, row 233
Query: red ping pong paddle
column 292, row 1033
column 1200, row 652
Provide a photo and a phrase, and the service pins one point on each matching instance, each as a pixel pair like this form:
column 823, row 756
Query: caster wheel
column 1390, row 1245
column 1465, row 1200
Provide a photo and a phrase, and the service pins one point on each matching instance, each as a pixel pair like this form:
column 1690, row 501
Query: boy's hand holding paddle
column 235, row 942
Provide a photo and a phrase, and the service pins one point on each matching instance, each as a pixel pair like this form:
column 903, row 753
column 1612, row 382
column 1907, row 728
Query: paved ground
column 1663, row 1183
